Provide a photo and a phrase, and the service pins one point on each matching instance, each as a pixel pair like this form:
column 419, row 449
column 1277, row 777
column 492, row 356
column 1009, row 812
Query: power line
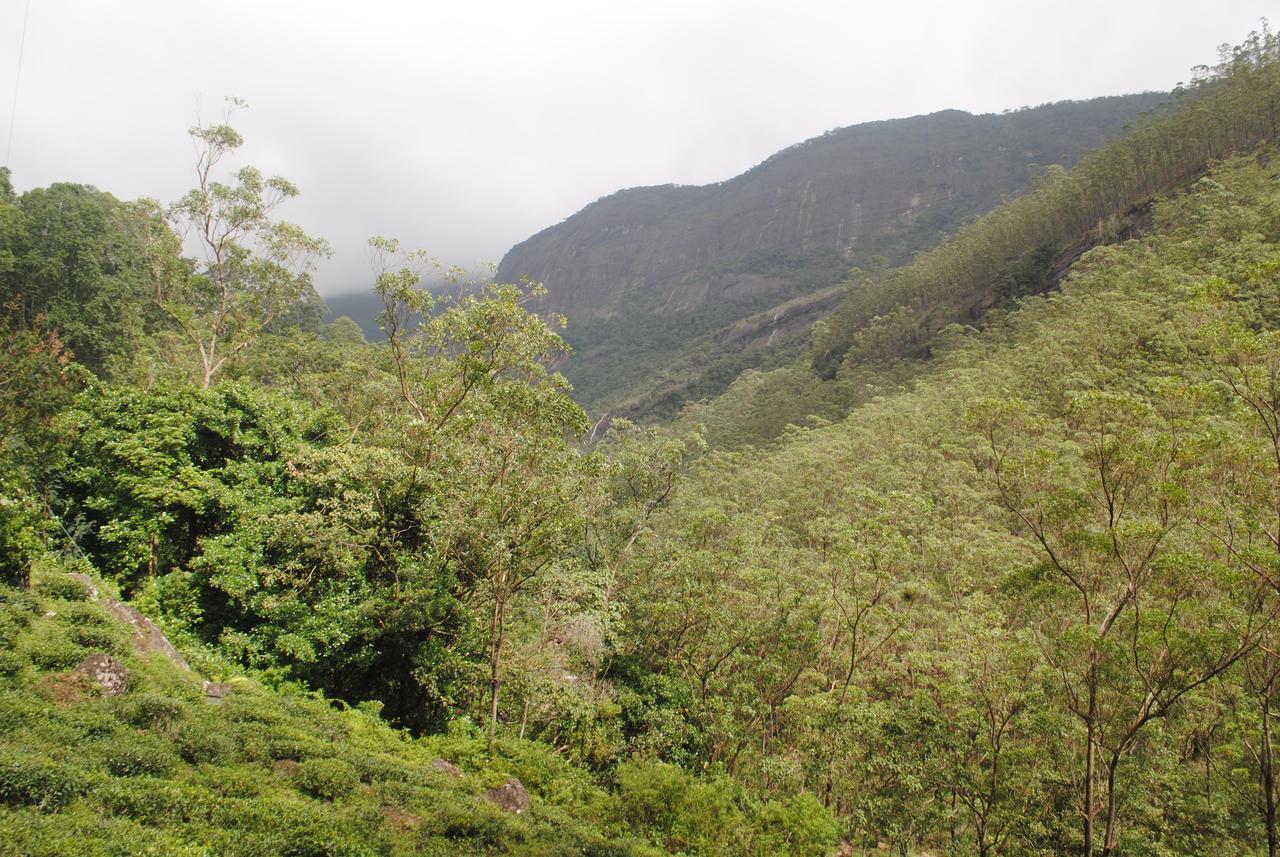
column 17, row 81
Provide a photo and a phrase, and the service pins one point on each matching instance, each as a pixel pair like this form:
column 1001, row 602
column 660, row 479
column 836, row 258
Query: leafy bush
column 150, row 800
column 201, row 742
column 61, row 587
column 82, row 832
column 150, row 710
column 10, row 662
column 49, row 649
column 19, row 604
column 98, row 638
column 88, row 721
column 668, row 803
column 289, row 828
column 10, row 628
column 28, row 779
column 139, row 755
column 85, row 613
column 799, row 825
column 326, row 778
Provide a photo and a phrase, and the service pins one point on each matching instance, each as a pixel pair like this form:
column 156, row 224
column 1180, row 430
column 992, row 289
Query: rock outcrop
column 147, row 636
column 104, row 672
column 510, row 797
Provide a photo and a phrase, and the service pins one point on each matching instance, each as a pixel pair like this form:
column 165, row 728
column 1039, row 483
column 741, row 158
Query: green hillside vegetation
column 1001, row 585
column 160, row 770
column 1010, row 252
column 1023, row 604
column 922, row 612
column 394, row 552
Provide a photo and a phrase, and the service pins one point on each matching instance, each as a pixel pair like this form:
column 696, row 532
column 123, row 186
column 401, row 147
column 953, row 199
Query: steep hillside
column 900, row 609
column 642, row 273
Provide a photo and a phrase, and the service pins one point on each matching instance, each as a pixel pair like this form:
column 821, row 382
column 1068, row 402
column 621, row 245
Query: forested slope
column 886, row 327
column 1039, row 586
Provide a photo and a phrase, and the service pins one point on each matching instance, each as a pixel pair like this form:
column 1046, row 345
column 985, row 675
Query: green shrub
column 377, row 767
column 139, row 755
column 202, row 742
column 295, row 745
column 84, row 614
column 89, row 720
column 799, row 825
column 11, row 627
column 83, row 832
column 479, row 824
column 99, row 638
column 150, row 710
column 19, row 709
column 667, row 803
column 273, row 826
column 236, row 781
column 60, row 586
column 150, row 800
column 49, row 649
column 18, row 603
column 11, row 662
column 326, row 778
column 28, row 779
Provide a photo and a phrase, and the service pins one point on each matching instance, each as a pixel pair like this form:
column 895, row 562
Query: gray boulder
column 104, row 671
column 511, row 796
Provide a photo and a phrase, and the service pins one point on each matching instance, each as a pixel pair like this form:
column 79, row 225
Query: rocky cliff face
column 645, row 271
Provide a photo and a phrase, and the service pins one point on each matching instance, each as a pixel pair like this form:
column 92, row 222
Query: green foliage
column 29, row 779
column 326, row 778
column 1021, row 598
column 138, row 755
column 906, row 612
column 60, row 586
column 80, row 272
column 256, row 272
column 1228, row 110
column 195, row 781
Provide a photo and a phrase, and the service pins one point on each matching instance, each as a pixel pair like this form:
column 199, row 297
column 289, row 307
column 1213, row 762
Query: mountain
column 642, row 274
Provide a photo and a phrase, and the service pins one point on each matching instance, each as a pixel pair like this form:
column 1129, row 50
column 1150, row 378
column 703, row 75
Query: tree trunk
column 1267, row 761
column 495, row 657
column 1109, row 845
column 1090, row 762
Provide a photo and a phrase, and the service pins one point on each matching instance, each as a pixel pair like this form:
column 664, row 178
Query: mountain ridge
column 643, row 273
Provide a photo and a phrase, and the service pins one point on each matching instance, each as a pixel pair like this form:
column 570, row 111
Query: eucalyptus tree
column 1135, row 609
column 253, row 268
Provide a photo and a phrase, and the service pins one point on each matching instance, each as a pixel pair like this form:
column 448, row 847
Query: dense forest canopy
column 993, row 570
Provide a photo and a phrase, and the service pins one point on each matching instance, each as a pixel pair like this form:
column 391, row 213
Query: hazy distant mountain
column 647, row 274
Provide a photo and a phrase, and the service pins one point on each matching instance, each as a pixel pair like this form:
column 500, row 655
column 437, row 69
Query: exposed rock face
column 147, row 637
column 511, row 796
column 216, row 691
column 111, row 676
column 705, row 257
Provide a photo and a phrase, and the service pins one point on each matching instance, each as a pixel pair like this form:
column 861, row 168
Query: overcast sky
column 464, row 127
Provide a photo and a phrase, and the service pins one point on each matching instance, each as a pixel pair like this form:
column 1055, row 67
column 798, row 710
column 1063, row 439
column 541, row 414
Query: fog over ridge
column 465, row 129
